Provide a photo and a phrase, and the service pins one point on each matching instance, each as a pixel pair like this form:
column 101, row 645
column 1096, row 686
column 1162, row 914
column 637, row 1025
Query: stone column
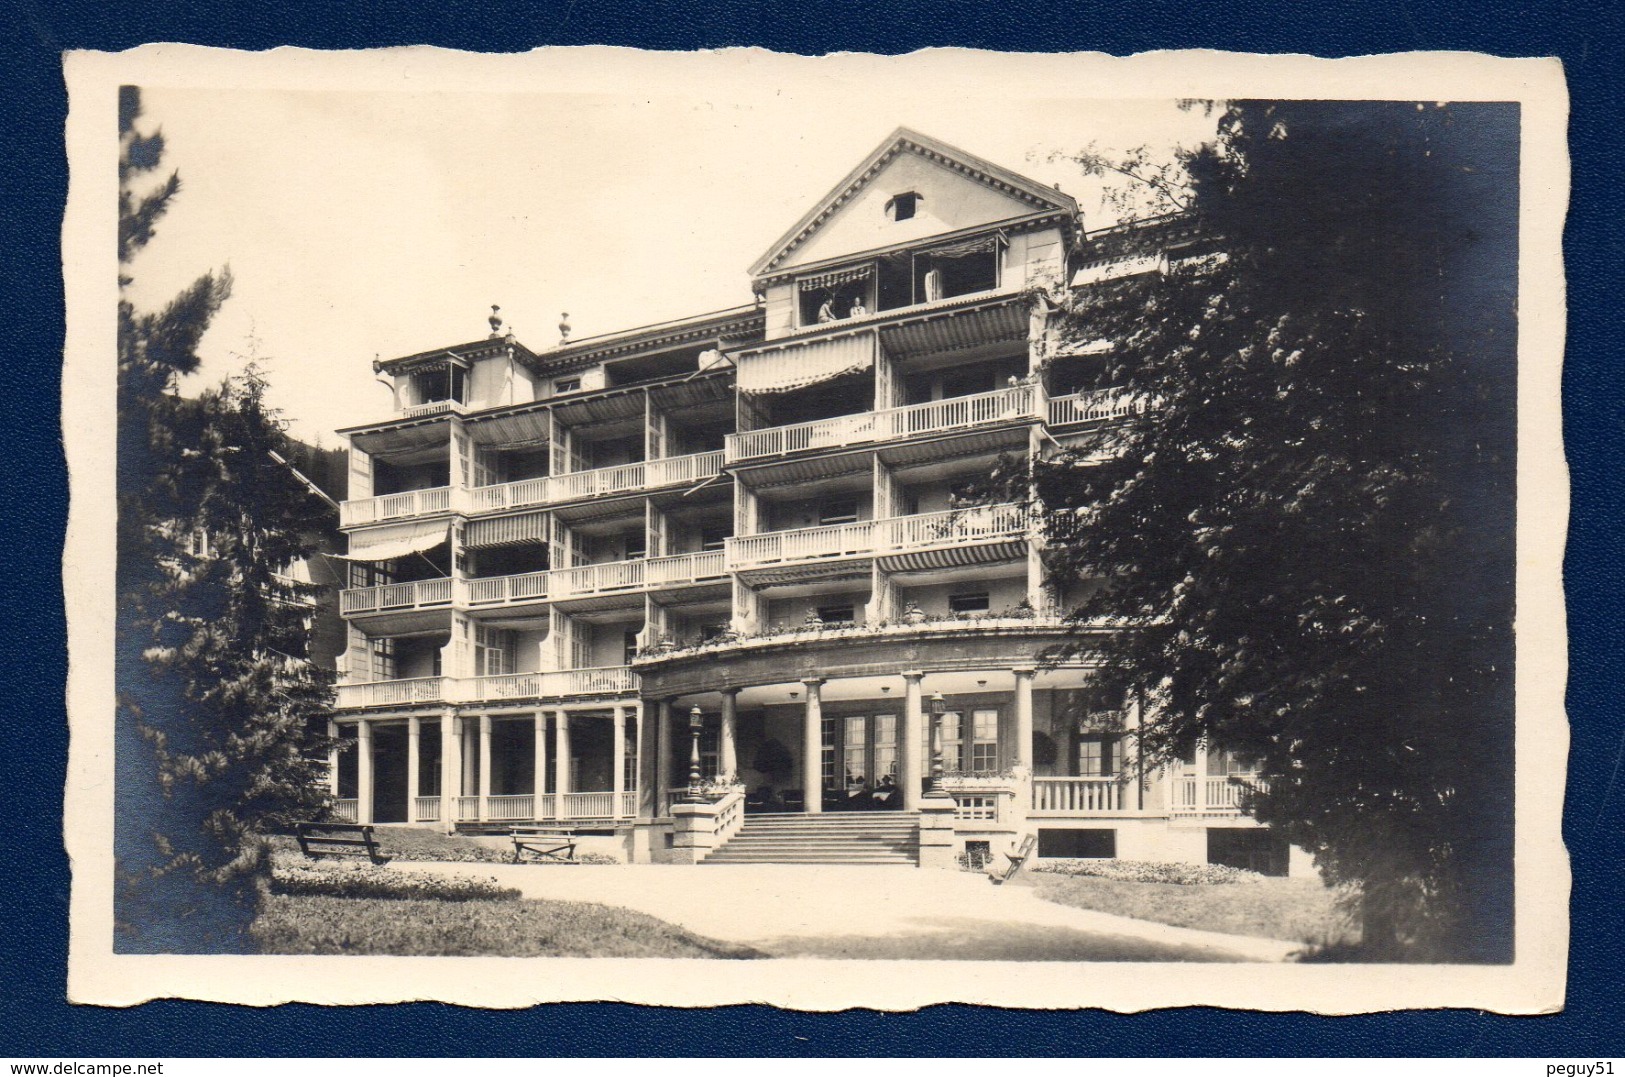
column 539, row 763
column 414, row 763
column 727, row 752
column 469, row 753
column 561, row 760
column 646, row 760
column 363, row 771
column 910, row 766
column 618, row 766
column 812, row 747
column 663, row 757
column 1024, row 717
column 485, row 767
column 450, row 770
column 333, row 761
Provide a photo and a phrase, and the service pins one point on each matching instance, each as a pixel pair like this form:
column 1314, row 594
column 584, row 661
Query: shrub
column 354, row 880
column 1149, row 871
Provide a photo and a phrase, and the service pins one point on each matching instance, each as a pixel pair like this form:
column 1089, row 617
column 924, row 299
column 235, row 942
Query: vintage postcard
column 1046, row 531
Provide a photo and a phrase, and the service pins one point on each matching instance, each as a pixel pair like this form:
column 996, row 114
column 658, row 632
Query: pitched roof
column 904, row 140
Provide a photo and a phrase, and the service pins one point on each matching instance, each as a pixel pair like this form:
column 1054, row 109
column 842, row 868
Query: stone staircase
column 827, row 838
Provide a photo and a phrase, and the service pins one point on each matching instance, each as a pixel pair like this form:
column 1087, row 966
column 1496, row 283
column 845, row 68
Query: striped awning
column 399, row 540
column 830, row 280
column 781, row 369
column 505, row 531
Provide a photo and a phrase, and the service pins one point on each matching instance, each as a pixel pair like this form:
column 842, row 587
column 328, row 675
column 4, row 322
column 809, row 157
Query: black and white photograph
column 708, row 528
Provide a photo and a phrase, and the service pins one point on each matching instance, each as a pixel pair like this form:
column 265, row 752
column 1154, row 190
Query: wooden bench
column 1018, row 860
column 338, row 839
column 545, row 844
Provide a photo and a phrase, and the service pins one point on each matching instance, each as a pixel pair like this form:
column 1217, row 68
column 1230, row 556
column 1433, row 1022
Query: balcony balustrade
column 434, row 407
column 602, row 578
column 373, row 510
column 957, row 413
column 1078, row 796
column 554, row 684
column 420, row 594
column 548, row 807
column 1193, row 795
column 1094, row 406
column 391, row 693
column 579, row 485
column 955, row 527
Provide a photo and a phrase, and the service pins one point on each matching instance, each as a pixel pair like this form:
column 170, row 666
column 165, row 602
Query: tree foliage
column 217, row 698
column 1307, row 536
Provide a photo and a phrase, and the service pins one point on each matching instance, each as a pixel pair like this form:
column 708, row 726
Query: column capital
column 915, row 675
column 812, row 682
column 1024, row 671
column 732, row 691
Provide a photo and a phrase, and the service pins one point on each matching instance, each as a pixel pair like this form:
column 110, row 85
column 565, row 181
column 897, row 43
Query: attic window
column 567, row 385
column 903, row 206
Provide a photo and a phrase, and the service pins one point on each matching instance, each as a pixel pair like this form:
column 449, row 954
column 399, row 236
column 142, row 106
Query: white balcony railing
column 433, row 407
column 802, row 544
column 576, row 485
column 426, row 809
column 956, row 527
column 598, row 681
column 1002, row 405
column 1083, row 796
column 1093, row 406
column 346, row 811
column 372, row 510
column 602, row 578
column 506, row 809
column 396, row 596
column 388, row 693
column 1193, row 795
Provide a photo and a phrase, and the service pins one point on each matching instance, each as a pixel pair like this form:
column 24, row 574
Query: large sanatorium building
column 752, row 533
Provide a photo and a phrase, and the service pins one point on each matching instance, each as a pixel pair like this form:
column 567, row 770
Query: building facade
column 757, row 537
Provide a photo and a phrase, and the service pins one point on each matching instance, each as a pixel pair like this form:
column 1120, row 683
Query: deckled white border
column 1535, row 984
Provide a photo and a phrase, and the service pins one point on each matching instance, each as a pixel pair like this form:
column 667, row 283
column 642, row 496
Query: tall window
column 629, row 758
column 493, row 651
column 1099, row 757
column 984, row 746
column 852, row 754
column 951, row 742
column 1222, row 764
column 826, row 755
column 383, row 659
column 885, row 745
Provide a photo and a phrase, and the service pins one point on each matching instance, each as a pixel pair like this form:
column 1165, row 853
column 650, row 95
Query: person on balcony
column 858, row 309
column 826, row 313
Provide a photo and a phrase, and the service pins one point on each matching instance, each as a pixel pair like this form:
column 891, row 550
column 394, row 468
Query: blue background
column 34, row 1019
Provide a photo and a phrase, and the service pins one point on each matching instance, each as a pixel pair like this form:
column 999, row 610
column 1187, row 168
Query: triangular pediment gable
column 958, row 191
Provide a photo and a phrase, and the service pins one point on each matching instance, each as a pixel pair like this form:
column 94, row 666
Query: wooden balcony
column 1017, row 403
column 391, row 693
column 957, row 527
column 1191, row 794
column 606, row 578
column 1095, row 406
column 402, row 506
column 556, row 684
column 393, row 597
column 434, row 407
column 599, row 482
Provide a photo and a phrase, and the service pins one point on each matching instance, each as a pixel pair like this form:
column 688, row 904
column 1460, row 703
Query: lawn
column 335, row 925
column 1302, row 910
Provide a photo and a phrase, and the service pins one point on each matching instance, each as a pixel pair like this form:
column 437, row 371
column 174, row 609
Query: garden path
column 792, row 910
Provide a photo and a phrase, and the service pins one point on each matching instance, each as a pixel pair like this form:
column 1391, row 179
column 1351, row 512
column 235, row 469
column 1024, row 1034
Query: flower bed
column 354, row 880
column 1148, row 871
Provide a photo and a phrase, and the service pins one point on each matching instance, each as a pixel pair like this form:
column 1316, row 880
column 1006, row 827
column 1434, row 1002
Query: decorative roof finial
column 564, row 328
column 495, row 320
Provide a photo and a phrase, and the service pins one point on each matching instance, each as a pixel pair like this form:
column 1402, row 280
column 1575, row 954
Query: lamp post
column 696, row 721
column 936, row 707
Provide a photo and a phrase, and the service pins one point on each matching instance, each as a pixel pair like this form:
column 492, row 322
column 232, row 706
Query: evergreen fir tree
column 220, row 711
